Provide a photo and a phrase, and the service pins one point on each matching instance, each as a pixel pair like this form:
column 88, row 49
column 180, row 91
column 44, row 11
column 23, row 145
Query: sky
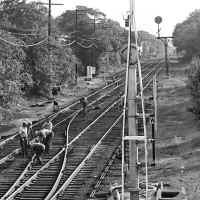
column 171, row 11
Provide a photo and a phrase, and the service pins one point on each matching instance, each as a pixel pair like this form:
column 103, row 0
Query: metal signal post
column 132, row 183
column 164, row 39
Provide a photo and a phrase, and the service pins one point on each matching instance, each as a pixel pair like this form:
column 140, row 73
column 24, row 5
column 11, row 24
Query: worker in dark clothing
column 55, row 106
column 54, row 91
column 23, row 138
column 29, row 128
column 84, row 103
column 48, row 140
column 37, row 148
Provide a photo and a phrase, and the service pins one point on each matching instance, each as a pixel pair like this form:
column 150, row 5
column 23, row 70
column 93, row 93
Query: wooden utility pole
column 49, row 26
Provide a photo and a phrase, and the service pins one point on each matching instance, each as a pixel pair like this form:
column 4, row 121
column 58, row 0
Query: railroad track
column 81, row 143
column 12, row 143
column 59, row 142
column 10, row 146
column 27, row 189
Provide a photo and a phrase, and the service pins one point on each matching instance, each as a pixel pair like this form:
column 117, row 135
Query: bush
column 194, row 84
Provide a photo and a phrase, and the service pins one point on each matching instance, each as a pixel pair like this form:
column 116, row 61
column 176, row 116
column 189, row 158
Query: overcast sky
column 172, row 11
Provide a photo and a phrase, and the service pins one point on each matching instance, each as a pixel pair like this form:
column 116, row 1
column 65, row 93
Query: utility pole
column 76, row 65
column 166, row 56
column 49, row 27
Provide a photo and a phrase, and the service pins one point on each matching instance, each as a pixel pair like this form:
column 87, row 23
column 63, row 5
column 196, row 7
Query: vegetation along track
column 10, row 146
column 53, row 167
column 58, row 141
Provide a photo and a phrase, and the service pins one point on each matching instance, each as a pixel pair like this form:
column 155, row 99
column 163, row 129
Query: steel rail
column 52, row 160
column 51, row 116
column 55, row 186
column 68, row 181
column 2, row 160
column 77, row 137
column 29, row 181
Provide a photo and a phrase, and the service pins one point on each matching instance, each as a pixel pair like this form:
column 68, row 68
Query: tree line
column 186, row 39
column 78, row 37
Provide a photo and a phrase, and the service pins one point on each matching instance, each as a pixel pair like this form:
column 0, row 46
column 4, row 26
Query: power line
column 23, row 45
column 26, row 34
column 86, row 47
column 69, row 44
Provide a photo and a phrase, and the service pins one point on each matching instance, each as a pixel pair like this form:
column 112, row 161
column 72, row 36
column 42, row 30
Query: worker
column 48, row 140
column 29, row 128
column 121, row 102
column 45, row 137
column 23, row 137
column 37, row 148
column 55, row 106
column 114, row 191
column 48, row 125
column 54, row 91
column 84, row 103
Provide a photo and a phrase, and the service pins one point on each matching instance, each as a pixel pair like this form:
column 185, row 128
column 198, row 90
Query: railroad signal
column 158, row 19
column 127, row 21
column 164, row 39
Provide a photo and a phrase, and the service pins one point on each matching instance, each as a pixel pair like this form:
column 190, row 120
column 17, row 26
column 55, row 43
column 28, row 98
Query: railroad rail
column 12, row 143
column 63, row 117
column 37, row 177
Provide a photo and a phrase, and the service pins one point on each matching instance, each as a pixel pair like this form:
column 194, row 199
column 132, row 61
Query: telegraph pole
column 76, row 65
column 49, row 25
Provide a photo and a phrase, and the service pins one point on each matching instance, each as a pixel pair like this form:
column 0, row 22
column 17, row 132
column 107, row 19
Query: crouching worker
column 45, row 136
column 37, row 149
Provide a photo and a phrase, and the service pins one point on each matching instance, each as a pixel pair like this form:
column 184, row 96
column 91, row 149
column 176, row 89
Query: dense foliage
column 186, row 39
column 33, row 71
column 186, row 35
column 92, row 31
column 194, row 84
column 31, row 65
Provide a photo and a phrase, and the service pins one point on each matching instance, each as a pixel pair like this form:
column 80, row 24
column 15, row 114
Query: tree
column 186, row 35
column 27, row 24
column 11, row 64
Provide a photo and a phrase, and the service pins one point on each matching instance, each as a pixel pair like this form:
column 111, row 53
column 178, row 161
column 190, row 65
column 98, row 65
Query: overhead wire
column 69, row 44
column 86, row 47
column 23, row 45
column 25, row 34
